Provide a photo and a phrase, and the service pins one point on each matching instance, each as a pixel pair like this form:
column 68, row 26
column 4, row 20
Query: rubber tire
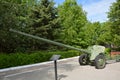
column 97, row 66
column 82, row 58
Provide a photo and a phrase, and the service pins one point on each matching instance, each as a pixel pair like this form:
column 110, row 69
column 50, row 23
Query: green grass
column 18, row 59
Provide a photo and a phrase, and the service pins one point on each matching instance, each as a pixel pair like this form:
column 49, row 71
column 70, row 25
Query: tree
column 44, row 22
column 105, row 37
column 72, row 19
column 114, row 19
column 92, row 32
column 8, row 20
column 96, row 33
column 13, row 15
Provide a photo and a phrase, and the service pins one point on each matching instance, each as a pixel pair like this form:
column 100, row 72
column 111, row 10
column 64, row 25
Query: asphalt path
column 67, row 70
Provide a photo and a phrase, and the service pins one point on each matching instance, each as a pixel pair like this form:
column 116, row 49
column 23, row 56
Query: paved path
column 67, row 70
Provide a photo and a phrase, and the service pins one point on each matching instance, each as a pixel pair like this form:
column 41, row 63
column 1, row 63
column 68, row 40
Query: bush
column 18, row 59
column 107, row 51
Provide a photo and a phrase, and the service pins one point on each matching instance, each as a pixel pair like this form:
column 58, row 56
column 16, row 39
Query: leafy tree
column 43, row 23
column 72, row 19
column 114, row 18
column 13, row 15
column 105, row 37
column 17, row 14
column 97, row 33
column 92, row 33
column 8, row 20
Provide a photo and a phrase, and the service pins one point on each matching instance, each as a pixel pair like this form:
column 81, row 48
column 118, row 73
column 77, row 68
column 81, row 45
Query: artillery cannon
column 93, row 55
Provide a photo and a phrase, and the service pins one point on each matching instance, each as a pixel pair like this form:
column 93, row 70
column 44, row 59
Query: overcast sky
column 96, row 9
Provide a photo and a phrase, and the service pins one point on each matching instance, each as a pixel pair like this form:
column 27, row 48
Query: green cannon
column 93, row 55
column 96, row 57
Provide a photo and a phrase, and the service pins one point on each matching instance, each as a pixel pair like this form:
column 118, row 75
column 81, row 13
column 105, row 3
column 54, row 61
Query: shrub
column 18, row 59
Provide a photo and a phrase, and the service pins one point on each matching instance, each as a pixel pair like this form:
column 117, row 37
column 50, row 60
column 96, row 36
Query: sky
column 96, row 9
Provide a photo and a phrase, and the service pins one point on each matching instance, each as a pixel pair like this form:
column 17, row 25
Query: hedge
column 18, row 59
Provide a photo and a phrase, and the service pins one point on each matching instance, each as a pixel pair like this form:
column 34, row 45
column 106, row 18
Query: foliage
column 13, row 15
column 43, row 23
column 72, row 19
column 114, row 18
column 28, row 16
column 107, row 51
column 43, row 19
column 96, row 33
column 18, row 59
column 66, row 24
column 105, row 36
column 7, row 20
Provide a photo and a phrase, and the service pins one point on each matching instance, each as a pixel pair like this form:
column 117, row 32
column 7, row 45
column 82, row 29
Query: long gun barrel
column 49, row 41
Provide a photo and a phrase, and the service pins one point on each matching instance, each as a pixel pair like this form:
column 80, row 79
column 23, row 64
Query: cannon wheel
column 100, row 62
column 83, row 59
